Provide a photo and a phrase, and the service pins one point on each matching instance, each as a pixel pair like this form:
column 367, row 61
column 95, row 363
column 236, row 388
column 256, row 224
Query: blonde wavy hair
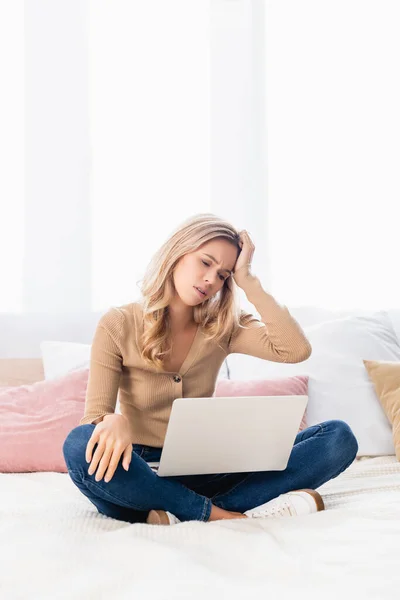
column 219, row 316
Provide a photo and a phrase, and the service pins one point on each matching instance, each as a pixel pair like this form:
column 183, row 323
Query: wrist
column 247, row 280
column 111, row 416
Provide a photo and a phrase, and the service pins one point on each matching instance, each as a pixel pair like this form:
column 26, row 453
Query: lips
column 201, row 293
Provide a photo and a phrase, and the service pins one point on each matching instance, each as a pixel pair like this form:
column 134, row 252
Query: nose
column 210, row 281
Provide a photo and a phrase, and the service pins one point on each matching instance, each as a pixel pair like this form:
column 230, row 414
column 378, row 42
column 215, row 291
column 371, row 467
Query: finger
column 127, row 457
column 248, row 236
column 104, row 463
column 90, row 445
column 113, row 464
column 250, row 242
column 96, row 457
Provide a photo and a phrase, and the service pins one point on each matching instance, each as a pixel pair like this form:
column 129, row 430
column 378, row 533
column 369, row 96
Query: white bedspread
column 54, row 544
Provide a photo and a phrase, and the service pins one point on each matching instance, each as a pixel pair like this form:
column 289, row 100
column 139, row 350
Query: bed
column 54, row 544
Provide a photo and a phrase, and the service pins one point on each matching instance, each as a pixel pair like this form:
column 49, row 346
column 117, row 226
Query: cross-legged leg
column 130, row 495
column 320, row 453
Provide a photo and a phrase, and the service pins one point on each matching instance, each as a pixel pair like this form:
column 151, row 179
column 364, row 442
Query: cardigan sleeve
column 105, row 367
column 277, row 337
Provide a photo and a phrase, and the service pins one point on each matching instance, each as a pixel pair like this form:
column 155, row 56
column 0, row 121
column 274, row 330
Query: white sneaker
column 292, row 504
column 161, row 517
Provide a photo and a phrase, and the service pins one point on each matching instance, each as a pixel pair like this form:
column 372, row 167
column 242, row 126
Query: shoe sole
column 317, row 498
column 157, row 517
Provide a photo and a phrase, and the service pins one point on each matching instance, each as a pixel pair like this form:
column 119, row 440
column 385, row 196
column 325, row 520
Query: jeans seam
column 142, row 451
column 205, row 508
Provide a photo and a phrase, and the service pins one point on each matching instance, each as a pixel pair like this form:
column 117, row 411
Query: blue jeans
column 320, row 453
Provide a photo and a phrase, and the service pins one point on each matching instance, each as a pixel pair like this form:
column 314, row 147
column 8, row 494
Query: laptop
column 230, row 435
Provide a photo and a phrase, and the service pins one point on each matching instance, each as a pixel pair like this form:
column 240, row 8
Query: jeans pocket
column 138, row 449
column 151, row 454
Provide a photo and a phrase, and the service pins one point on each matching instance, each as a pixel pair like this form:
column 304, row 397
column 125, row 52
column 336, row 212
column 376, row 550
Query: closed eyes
column 207, row 265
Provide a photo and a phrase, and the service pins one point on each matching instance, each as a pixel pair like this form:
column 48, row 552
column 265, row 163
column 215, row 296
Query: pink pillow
column 35, row 419
column 296, row 386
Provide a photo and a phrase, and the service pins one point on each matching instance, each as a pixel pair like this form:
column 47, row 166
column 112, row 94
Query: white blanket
column 54, row 544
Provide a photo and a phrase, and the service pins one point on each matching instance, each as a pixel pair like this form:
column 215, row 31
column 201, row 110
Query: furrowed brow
column 212, row 258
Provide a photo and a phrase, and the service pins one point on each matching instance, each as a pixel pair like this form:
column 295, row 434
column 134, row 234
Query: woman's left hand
column 242, row 269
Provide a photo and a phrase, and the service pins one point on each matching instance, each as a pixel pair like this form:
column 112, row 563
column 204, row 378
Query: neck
column 180, row 316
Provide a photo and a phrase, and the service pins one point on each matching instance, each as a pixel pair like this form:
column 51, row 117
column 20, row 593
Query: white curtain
column 121, row 118
column 149, row 116
column 333, row 131
column 11, row 154
column 173, row 129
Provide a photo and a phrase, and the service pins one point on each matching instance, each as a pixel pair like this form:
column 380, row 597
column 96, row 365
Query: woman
column 172, row 344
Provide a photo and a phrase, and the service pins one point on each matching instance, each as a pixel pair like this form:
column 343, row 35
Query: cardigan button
column 177, row 379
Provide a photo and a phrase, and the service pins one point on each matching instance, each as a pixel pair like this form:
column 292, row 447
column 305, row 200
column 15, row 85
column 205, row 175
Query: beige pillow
column 385, row 376
column 20, row 371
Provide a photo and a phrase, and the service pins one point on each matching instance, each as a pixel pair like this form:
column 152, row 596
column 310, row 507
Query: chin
column 191, row 300
column 191, row 303
column 186, row 299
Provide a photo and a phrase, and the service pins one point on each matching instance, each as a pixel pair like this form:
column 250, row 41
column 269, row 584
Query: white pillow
column 362, row 337
column 315, row 315
column 339, row 386
column 343, row 390
column 369, row 337
column 394, row 316
column 60, row 358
